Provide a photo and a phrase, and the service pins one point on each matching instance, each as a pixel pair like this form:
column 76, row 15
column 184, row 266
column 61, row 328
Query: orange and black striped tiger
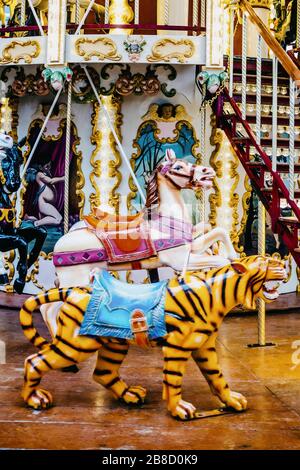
column 195, row 306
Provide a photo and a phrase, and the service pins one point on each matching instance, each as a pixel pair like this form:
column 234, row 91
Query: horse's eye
column 178, row 167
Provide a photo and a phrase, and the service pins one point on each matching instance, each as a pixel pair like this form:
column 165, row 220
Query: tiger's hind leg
column 36, row 366
column 106, row 373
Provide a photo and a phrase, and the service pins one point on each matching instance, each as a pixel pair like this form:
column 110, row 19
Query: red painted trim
column 96, row 26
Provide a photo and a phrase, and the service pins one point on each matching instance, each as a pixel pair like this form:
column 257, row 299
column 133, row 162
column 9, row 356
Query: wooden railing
column 141, row 23
column 286, row 61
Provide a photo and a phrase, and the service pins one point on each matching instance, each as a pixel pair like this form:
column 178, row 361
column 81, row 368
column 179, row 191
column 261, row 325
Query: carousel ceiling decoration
column 22, row 85
column 129, row 83
column 113, row 78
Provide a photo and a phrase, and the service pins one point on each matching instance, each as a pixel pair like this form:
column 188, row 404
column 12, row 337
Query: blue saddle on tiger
column 112, row 304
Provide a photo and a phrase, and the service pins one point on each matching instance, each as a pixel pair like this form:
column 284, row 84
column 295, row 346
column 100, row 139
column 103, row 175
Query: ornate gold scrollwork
column 19, row 50
column 103, row 48
column 167, row 49
column 152, row 118
column 100, row 138
column 215, row 199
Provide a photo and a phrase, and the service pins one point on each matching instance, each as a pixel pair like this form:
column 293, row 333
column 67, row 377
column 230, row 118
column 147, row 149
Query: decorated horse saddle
column 125, row 238
column 127, row 311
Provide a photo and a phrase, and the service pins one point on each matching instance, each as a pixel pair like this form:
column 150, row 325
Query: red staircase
column 260, row 171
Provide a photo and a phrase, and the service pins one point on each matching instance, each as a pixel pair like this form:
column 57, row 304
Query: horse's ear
column 239, row 268
column 170, row 155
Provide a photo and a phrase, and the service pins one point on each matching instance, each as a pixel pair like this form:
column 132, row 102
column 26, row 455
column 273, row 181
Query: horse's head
column 184, row 174
column 10, row 161
column 6, row 142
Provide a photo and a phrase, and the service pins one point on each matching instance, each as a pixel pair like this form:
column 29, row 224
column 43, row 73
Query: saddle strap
column 140, row 328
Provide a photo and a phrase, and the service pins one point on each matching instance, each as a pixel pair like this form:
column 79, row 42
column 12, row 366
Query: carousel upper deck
column 57, row 32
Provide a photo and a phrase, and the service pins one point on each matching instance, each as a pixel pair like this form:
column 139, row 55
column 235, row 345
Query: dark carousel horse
column 12, row 238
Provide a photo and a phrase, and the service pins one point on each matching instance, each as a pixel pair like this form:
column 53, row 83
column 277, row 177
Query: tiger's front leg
column 175, row 359
column 207, row 360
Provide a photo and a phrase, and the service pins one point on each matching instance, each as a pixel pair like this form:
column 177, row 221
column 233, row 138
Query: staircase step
column 269, row 191
column 290, row 220
column 267, row 66
column 280, row 168
column 281, row 121
column 266, row 99
column 241, row 140
column 266, row 79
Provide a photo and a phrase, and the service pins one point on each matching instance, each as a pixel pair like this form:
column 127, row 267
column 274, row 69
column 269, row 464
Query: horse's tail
column 31, row 304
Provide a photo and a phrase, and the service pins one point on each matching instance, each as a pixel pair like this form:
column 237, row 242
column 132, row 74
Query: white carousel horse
column 163, row 192
column 74, row 249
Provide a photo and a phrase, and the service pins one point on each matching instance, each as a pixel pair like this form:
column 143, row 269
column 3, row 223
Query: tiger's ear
column 239, row 268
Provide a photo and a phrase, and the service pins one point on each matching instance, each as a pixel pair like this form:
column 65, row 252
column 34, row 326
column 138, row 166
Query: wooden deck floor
column 85, row 416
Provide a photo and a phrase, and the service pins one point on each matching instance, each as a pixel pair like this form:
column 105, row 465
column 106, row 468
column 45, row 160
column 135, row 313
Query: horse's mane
column 152, row 191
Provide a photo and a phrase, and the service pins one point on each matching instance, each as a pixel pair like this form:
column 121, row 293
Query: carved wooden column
column 57, row 19
column 214, row 34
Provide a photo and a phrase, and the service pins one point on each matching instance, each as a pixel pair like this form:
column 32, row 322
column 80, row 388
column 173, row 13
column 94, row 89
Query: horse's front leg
column 16, row 242
column 203, row 242
column 39, row 236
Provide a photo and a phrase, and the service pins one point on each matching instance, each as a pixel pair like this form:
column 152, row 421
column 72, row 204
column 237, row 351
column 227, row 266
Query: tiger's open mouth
column 270, row 289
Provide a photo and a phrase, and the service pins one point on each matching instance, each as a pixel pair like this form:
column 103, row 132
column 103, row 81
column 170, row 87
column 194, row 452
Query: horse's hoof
column 19, row 286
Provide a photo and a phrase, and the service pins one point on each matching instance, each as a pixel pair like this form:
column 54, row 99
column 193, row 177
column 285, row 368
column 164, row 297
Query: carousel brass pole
column 113, row 131
column 23, row 13
column 84, row 17
column 261, row 229
column 36, row 18
column 261, row 242
column 67, row 159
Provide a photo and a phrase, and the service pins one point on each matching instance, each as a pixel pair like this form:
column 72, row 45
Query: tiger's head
column 261, row 277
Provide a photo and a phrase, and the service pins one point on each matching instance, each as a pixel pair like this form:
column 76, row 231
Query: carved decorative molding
column 260, row 3
column 168, row 49
column 103, row 48
column 128, row 83
column 19, row 50
column 106, row 160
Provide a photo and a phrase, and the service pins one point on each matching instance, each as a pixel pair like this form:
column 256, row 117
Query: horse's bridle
column 170, row 174
column 7, row 215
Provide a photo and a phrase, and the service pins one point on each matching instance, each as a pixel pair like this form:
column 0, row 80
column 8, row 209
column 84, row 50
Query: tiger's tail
column 31, row 304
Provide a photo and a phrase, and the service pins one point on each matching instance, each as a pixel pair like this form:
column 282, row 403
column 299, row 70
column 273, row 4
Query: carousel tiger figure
column 194, row 307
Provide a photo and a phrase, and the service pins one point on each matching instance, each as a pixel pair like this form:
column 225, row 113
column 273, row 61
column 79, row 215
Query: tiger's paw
column 40, row 399
column 134, row 395
column 183, row 411
column 236, row 401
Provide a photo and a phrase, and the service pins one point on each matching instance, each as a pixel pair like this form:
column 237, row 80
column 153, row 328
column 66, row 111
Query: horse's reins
column 168, row 172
